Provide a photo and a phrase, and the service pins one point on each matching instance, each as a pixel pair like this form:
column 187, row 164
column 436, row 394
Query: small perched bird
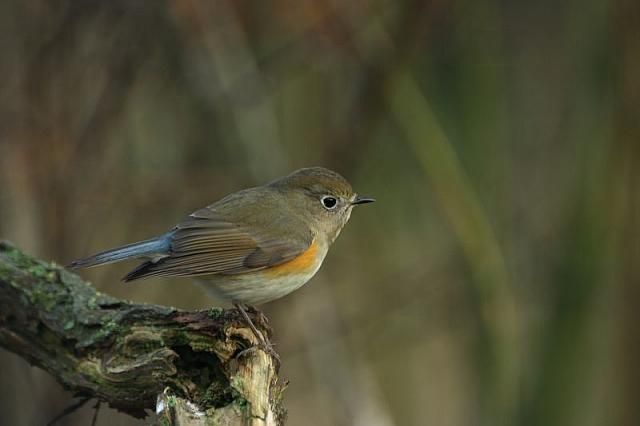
column 252, row 246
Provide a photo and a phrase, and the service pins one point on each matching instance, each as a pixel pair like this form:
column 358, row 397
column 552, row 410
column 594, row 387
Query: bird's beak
column 361, row 199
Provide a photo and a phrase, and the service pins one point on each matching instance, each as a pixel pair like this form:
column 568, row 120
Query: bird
column 252, row 246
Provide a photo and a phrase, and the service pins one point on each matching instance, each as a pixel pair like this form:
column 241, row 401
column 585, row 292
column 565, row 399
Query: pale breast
column 262, row 286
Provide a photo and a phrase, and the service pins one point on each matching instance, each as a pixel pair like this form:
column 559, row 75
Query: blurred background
column 495, row 281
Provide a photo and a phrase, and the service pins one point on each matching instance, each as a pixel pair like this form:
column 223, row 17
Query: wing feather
column 207, row 243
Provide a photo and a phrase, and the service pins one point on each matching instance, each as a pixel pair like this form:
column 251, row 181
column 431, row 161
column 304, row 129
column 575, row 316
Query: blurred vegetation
column 495, row 282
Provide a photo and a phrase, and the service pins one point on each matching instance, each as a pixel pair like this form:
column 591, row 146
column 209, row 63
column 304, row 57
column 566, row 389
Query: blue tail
column 153, row 248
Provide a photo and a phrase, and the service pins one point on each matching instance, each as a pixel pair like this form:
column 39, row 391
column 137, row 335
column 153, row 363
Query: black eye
column 329, row 202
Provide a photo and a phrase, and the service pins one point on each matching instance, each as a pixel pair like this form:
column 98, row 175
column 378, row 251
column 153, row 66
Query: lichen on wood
column 133, row 355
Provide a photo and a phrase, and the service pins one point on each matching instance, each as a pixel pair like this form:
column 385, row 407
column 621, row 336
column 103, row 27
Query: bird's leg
column 257, row 333
column 264, row 342
column 262, row 318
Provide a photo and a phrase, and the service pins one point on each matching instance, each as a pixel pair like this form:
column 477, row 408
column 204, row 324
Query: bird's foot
column 263, row 341
column 266, row 347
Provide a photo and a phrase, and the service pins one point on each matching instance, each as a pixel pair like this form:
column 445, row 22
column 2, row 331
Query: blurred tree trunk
column 190, row 367
column 626, row 211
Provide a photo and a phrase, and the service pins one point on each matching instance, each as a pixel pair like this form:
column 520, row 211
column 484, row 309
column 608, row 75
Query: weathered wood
column 136, row 357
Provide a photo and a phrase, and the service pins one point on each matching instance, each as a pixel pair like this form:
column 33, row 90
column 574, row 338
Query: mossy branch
column 191, row 367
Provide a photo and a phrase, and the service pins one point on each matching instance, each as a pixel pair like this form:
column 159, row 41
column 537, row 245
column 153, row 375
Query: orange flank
column 301, row 264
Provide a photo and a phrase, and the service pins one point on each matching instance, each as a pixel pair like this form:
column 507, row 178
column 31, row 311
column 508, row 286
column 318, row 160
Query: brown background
column 495, row 281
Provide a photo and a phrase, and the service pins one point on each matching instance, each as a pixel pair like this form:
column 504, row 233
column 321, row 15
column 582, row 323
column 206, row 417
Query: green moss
column 69, row 324
column 171, row 401
column 237, row 384
column 202, row 344
column 217, row 395
column 45, row 271
column 16, row 257
column 197, row 342
column 180, row 338
column 214, row 313
column 237, row 389
column 142, row 341
column 43, row 296
column 107, row 329
column 164, row 421
column 241, row 402
column 4, row 269
column 92, row 302
column 39, row 271
column 18, row 268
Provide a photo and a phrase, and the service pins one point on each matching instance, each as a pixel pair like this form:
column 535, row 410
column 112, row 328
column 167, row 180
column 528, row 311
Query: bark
column 192, row 368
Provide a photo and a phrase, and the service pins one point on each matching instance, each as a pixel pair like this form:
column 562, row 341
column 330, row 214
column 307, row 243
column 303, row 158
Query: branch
column 191, row 367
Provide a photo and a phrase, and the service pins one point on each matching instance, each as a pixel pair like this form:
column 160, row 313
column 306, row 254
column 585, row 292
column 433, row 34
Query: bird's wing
column 208, row 243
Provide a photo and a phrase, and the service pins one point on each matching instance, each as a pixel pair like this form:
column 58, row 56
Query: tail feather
column 141, row 271
column 153, row 248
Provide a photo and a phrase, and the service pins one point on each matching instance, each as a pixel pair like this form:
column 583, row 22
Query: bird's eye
column 329, row 202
